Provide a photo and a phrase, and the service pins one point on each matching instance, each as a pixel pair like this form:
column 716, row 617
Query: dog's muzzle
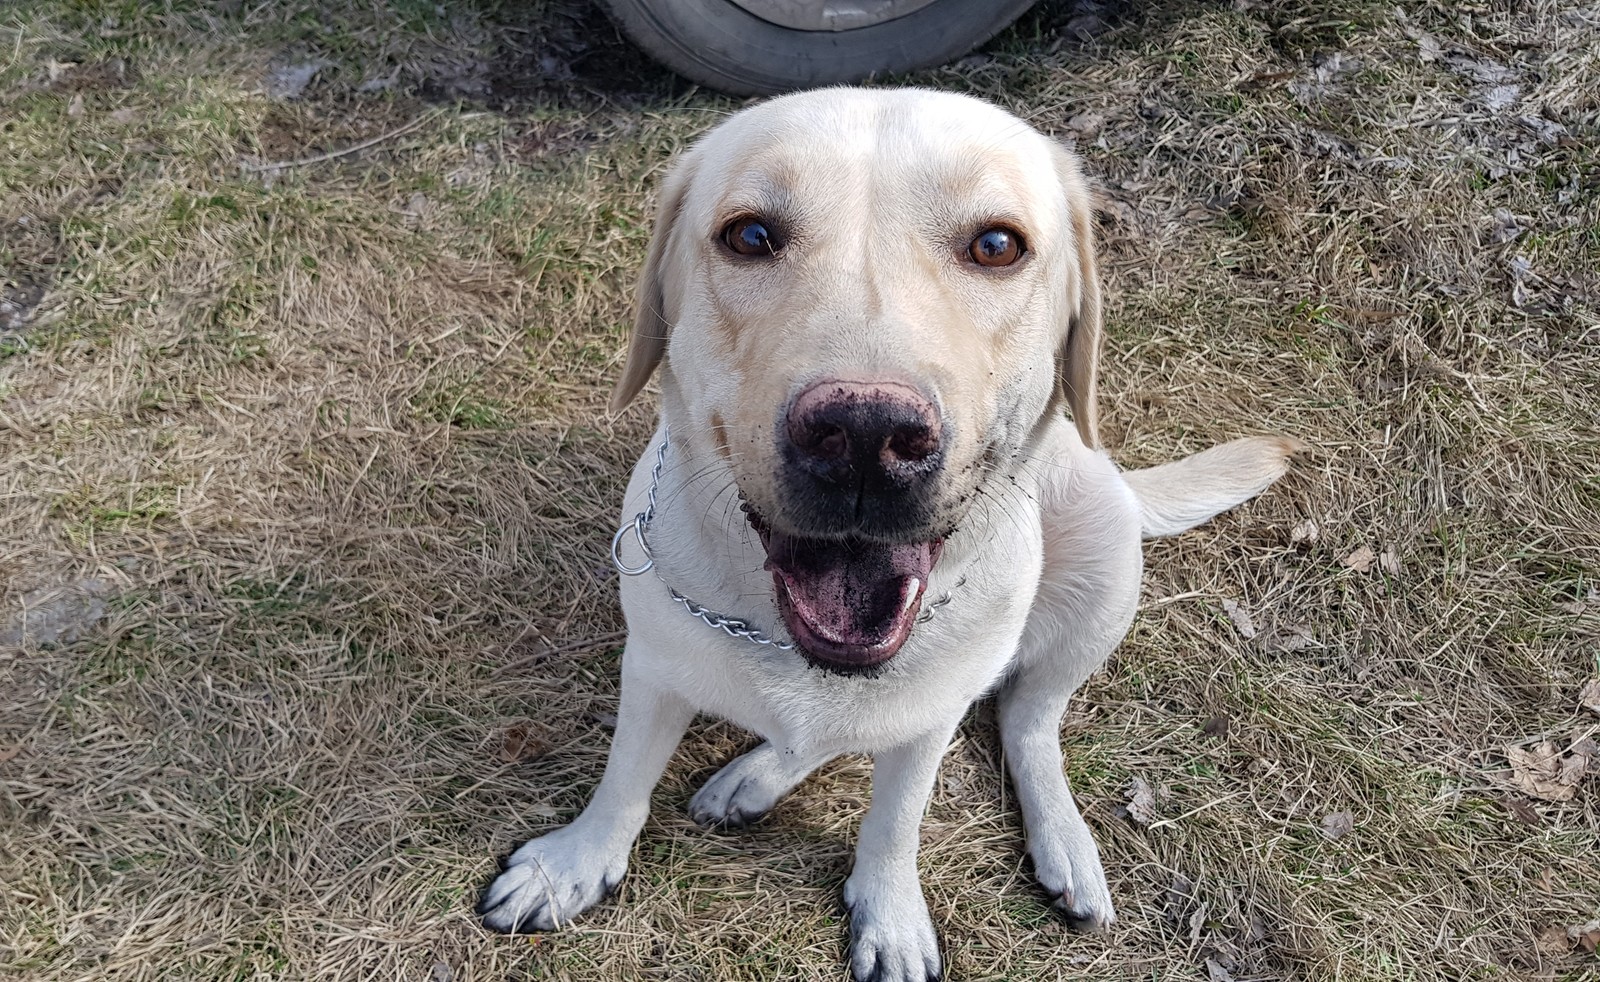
column 860, row 458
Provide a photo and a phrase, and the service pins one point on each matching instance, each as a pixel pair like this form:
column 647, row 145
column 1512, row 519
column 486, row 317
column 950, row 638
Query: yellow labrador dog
column 871, row 311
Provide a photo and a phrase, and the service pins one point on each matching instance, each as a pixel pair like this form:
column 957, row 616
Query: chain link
column 734, row 627
column 642, row 521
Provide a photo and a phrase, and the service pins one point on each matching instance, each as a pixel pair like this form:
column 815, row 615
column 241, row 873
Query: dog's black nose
column 871, row 436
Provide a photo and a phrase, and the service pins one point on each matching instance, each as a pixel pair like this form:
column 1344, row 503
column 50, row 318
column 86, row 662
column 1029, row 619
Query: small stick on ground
column 335, row 154
column 559, row 649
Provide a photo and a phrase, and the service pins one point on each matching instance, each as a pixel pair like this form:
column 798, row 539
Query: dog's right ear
column 651, row 321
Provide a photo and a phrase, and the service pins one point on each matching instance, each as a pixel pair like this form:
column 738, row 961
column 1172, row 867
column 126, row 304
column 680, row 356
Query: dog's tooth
column 912, row 586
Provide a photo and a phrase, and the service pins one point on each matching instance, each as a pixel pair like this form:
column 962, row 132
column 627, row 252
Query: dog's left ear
column 651, row 324
column 1078, row 357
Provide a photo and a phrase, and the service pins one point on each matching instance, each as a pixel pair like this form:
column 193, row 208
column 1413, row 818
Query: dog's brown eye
column 996, row 247
column 751, row 237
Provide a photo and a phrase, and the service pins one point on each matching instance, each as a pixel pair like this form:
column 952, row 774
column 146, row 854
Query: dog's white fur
column 1050, row 551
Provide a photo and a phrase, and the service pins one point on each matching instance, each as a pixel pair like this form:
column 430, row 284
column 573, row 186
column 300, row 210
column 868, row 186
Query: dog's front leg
column 891, row 935
column 552, row 879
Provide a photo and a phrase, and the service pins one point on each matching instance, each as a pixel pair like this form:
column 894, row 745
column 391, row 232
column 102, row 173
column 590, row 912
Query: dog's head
column 865, row 302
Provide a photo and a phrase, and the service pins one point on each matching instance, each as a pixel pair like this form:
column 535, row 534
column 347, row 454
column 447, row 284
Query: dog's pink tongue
column 847, row 612
column 852, row 603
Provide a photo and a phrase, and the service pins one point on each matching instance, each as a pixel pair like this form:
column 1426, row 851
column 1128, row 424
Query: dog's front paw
column 1074, row 879
column 742, row 792
column 891, row 935
column 549, row 881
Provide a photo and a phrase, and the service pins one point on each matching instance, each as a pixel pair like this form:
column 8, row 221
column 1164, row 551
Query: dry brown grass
column 317, row 455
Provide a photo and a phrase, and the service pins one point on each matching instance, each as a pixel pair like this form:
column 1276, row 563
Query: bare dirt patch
column 18, row 304
column 30, row 252
column 56, row 615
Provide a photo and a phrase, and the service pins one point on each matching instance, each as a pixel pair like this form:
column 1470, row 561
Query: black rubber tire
column 725, row 47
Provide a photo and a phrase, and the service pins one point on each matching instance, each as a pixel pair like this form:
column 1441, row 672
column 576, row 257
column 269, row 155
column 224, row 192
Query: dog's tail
column 1178, row 496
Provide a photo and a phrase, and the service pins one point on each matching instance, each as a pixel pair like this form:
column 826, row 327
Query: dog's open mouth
column 850, row 603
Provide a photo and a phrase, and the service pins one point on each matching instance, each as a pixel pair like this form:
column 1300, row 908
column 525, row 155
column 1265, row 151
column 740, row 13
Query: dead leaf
column 1324, row 77
column 1241, row 619
column 1505, row 227
column 1544, row 772
column 1389, row 561
column 1499, row 97
column 1521, row 271
column 1141, row 807
column 522, row 741
column 1180, row 894
column 75, row 105
column 1287, row 638
column 1585, row 936
column 1573, row 767
column 289, row 81
column 1337, row 825
column 440, row 972
column 1216, row 973
column 1523, row 811
column 1484, row 71
column 1305, row 532
column 1236, row 203
column 1119, row 213
column 1428, row 49
column 1086, row 125
column 1553, row 940
column 9, row 753
column 1361, row 560
column 1589, row 698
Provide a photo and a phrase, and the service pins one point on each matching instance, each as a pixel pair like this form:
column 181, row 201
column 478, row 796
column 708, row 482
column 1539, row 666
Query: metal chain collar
column 732, row 626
